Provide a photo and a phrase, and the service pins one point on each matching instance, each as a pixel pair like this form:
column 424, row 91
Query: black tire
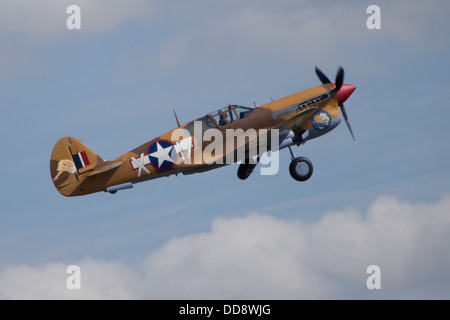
column 301, row 169
column 245, row 170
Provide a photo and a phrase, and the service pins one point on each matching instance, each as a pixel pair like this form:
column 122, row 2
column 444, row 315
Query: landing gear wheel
column 245, row 170
column 301, row 169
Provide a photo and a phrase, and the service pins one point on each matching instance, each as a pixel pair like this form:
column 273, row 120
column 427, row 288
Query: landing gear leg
column 292, row 153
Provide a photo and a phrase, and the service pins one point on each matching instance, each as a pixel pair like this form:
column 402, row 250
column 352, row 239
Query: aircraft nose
column 345, row 92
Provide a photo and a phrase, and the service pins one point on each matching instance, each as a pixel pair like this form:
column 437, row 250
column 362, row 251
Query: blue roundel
column 162, row 154
column 321, row 120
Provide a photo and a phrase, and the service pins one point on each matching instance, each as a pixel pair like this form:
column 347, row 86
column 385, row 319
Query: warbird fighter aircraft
column 204, row 144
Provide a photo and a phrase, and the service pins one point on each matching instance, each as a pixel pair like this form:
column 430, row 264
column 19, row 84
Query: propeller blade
column 344, row 114
column 347, row 90
column 339, row 78
column 323, row 78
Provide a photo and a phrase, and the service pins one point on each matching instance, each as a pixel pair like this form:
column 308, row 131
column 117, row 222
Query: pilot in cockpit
column 223, row 118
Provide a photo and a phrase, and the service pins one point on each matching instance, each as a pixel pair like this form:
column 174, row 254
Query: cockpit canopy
column 229, row 114
column 220, row 118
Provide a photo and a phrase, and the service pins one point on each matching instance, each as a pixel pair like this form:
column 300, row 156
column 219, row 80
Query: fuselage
column 204, row 144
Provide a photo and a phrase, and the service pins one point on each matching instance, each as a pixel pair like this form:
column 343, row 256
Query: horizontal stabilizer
column 103, row 167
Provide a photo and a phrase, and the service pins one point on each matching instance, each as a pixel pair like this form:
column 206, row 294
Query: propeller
column 339, row 78
column 343, row 91
column 322, row 76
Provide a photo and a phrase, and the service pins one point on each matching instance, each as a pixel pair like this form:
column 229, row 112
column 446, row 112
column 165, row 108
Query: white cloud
column 416, row 22
column 99, row 280
column 263, row 257
column 301, row 31
column 304, row 31
column 45, row 20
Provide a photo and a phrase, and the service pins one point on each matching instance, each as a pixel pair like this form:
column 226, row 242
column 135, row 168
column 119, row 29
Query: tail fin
column 72, row 162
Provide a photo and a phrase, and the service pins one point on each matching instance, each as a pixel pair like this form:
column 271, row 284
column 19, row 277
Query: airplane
column 204, row 144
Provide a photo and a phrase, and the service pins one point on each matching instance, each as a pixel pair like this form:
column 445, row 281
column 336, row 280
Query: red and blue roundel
column 321, row 120
column 162, row 154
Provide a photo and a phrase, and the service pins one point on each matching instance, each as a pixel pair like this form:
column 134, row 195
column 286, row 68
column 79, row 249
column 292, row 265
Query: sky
column 384, row 201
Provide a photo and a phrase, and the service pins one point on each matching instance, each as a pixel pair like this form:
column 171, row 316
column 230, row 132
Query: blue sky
column 113, row 84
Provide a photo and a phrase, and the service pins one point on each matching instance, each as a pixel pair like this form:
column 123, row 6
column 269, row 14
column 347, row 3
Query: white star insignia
column 162, row 154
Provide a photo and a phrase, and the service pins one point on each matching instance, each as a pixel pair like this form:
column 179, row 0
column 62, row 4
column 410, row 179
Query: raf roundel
column 162, row 154
column 321, row 120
